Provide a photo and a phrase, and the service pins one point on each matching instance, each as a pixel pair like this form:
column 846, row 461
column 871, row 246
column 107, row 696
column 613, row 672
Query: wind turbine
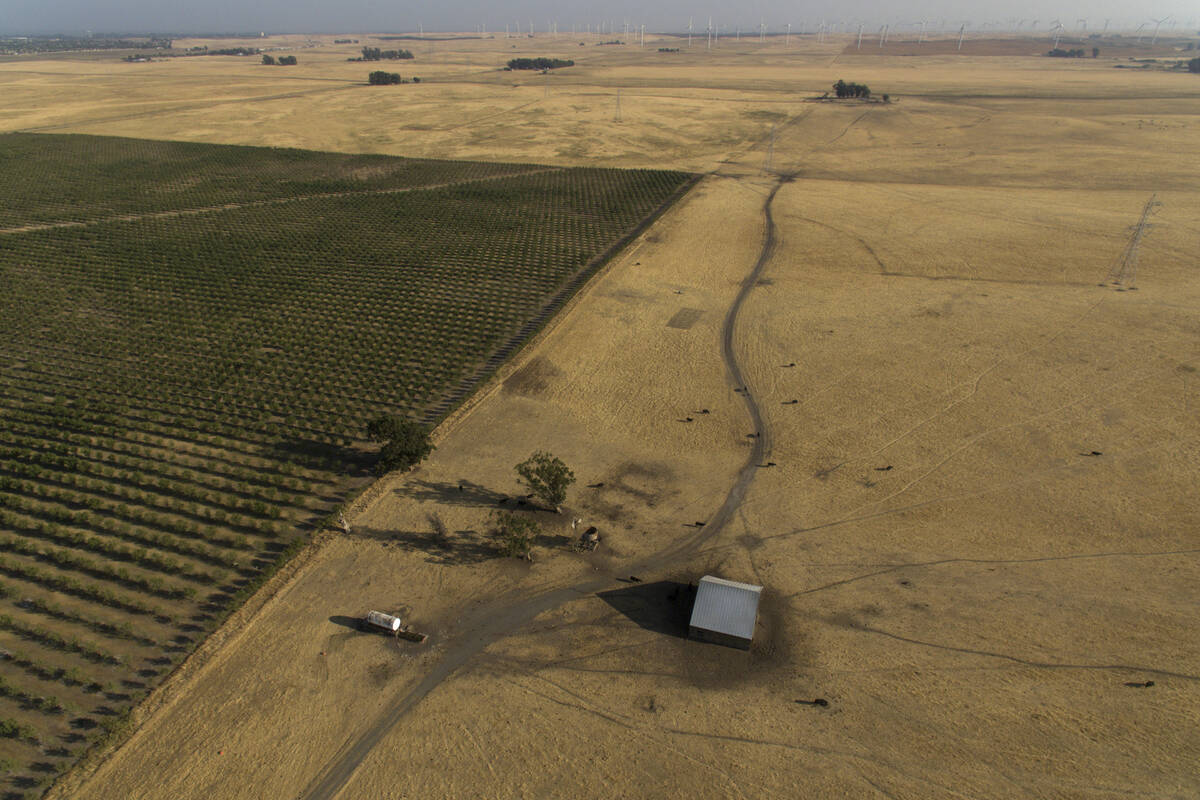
column 689, row 31
column 1084, row 21
column 859, row 37
column 961, row 32
column 1058, row 28
column 1157, row 23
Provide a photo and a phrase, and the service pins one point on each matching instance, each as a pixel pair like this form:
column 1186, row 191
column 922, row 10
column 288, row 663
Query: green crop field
column 192, row 338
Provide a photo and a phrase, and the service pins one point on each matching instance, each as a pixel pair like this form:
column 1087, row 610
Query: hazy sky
column 335, row 16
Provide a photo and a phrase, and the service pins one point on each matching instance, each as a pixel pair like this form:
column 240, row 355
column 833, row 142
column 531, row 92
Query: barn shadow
column 662, row 607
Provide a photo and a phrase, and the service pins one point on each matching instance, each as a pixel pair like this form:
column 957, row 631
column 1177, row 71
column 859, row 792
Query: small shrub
column 11, row 729
column 516, row 533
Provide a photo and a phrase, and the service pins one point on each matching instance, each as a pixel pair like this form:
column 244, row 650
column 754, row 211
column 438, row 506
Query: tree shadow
column 662, row 607
column 460, row 493
column 449, row 548
column 315, row 455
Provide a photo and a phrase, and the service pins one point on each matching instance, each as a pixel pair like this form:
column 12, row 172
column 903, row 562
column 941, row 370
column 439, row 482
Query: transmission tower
column 1125, row 270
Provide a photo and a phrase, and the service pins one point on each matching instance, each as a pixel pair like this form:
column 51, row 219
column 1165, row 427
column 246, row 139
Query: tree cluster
column 345, row 41
column 283, row 61
column 1079, row 52
column 59, row 44
column 547, row 478
column 668, row 49
column 844, row 90
column 1194, row 65
column 232, row 51
column 539, row 63
column 375, row 54
column 381, row 78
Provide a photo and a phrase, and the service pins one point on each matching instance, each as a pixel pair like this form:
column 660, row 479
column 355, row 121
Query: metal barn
column 725, row 612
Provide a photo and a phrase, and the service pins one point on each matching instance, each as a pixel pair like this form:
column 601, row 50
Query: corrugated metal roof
column 726, row 607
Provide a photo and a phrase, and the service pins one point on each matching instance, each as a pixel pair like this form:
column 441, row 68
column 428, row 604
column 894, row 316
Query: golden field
column 969, row 592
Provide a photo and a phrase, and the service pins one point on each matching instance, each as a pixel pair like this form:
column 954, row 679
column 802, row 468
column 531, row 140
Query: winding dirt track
column 510, row 612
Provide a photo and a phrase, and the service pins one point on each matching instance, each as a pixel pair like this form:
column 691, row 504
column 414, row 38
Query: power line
column 1125, row 270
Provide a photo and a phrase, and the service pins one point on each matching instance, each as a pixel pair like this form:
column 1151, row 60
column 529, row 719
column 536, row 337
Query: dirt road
column 508, row 614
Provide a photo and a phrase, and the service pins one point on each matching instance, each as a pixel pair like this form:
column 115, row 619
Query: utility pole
column 770, row 152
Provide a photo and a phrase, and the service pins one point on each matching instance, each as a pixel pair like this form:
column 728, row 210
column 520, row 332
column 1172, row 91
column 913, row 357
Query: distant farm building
column 725, row 612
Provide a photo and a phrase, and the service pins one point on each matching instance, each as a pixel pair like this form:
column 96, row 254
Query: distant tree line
column 844, row 90
column 58, row 44
column 345, row 41
column 1194, row 65
column 668, row 49
column 539, row 63
column 232, row 51
column 1058, row 52
column 382, row 78
column 375, row 54
column 283, row 61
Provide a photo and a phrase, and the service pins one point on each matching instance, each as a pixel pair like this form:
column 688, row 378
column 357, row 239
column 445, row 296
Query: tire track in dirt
column 517, row 608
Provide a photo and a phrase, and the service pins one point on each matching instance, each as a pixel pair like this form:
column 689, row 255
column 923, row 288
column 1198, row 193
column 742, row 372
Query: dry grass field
column 979, row 540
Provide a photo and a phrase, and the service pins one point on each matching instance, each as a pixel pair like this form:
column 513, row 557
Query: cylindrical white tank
column 385, row 621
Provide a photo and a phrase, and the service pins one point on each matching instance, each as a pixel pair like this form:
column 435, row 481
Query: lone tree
column 268, row 59
column 405, row 443
column 547, row 477
column 516, row 533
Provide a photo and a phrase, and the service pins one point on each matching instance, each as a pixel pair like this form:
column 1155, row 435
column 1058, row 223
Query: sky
column 344, row 16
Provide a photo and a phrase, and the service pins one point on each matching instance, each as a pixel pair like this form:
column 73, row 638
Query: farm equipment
column 387, row 623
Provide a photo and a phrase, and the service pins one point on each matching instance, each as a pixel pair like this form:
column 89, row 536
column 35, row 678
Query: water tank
column 387, row 622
